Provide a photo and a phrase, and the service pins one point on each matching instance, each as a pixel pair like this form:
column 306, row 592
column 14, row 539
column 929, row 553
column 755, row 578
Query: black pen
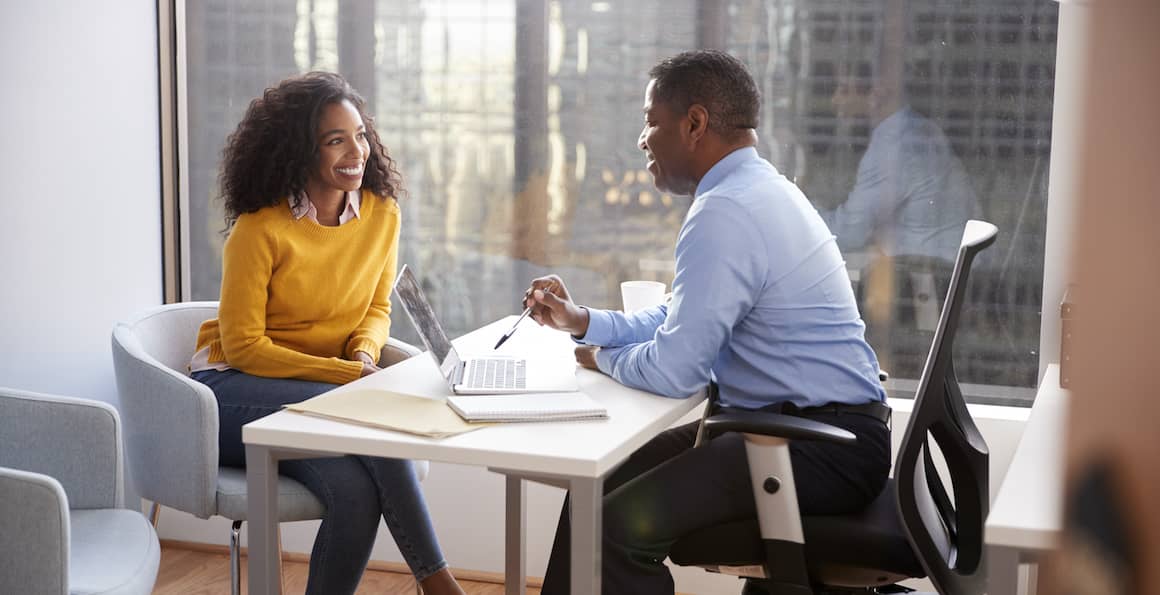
column 512, row 330
column 548, row 287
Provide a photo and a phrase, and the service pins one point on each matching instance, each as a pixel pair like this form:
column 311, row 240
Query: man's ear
column 697, row 122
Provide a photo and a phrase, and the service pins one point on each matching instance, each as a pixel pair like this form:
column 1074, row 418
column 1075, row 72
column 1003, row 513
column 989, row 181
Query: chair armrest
column 75, row 441
column 770, row 468
column 775, row 424
column 396, row 351
column 171, row 429
column 35, row 538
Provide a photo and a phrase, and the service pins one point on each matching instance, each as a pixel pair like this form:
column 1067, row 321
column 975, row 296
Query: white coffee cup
column 638, row 295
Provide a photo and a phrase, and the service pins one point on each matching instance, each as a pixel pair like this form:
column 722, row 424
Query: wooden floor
column 198, row 572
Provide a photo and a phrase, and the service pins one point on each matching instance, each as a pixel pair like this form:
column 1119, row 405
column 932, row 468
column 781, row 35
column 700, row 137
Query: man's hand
column 586, row 356
column 553, row 306
column 368, row 362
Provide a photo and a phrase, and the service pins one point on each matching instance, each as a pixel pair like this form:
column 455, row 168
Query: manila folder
column 390, row 410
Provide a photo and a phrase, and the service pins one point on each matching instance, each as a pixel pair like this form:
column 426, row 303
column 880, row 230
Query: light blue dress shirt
column 911, row 196
column 761, row 303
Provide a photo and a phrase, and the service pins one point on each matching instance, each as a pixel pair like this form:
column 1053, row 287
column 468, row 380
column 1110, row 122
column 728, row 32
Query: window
column 515, row 126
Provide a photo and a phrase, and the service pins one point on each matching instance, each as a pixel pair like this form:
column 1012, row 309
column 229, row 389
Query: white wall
column 79, row 188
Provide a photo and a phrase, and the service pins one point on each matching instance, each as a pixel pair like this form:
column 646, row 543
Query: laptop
column 478, row 375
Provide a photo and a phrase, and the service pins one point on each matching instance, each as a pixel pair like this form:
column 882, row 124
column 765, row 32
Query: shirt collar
column 724, row 167
column 305, row 208
column 897, row 120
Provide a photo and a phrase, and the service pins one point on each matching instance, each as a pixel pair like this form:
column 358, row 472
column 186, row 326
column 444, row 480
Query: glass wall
column 515, row 126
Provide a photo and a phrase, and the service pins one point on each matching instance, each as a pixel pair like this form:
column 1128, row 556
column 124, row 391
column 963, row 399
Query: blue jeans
column 355, row 490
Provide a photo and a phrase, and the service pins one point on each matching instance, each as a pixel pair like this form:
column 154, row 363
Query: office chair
column 63, row 523
column 913, row 529
column 171, row 425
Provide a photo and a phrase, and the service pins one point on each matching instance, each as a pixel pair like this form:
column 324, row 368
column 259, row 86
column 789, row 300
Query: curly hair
column 271, row 154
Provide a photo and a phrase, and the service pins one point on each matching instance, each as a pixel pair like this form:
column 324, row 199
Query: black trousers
column 667, row 489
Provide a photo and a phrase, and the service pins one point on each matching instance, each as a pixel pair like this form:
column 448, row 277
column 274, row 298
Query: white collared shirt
column 306, row 208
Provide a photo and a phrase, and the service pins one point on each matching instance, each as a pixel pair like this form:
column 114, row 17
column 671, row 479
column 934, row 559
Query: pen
column 549, row 286
column 512, row 329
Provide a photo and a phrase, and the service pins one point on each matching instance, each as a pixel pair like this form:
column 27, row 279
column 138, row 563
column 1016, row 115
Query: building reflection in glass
column 515, row 125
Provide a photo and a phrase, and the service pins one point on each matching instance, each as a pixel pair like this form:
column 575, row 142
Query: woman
column 307, row 270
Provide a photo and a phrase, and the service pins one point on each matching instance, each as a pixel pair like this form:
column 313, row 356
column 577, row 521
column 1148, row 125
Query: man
column 906, row 213
column 911, row 195
column 761, row 305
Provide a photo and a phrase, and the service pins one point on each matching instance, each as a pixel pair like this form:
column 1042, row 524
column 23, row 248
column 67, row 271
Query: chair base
column 857, row 579
column 761, row 587
column 756, row 583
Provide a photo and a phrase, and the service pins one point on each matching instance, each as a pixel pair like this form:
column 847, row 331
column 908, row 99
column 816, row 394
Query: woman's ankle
column 441, row 583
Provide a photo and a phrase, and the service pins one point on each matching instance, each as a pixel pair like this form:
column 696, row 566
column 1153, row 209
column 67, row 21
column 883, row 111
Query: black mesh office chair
column 913, row 529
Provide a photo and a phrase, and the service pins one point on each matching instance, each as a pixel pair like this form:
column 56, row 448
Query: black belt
column 874, row 409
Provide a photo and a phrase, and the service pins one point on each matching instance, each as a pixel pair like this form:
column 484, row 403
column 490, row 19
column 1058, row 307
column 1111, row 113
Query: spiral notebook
column 528, row 407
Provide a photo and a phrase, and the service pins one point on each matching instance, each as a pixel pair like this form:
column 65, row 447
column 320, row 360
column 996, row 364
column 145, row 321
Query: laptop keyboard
column 497, row 373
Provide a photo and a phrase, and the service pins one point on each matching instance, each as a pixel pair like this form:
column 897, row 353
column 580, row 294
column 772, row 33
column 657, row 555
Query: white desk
column 575, row 455
column 1027, row 514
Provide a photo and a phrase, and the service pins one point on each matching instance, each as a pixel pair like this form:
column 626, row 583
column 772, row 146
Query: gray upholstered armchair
column 171, row 424
column 63, row 525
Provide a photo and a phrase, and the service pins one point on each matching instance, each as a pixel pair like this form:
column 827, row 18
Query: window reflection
column 901, row 222
column 515, row 124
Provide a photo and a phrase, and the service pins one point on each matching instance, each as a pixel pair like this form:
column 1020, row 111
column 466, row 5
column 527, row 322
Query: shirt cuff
column 606, row 359
column 599, row 328
column 351, row 371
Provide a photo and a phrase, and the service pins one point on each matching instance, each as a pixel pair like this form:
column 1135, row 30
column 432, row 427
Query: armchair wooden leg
column 154, row 514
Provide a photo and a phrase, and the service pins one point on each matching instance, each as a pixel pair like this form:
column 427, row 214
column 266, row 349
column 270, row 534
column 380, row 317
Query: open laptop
column 480, row 375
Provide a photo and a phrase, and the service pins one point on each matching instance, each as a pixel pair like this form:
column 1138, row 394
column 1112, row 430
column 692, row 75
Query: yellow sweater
column 299, row 298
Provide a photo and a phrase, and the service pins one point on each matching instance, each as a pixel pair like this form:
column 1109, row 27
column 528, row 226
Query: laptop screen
column 419, row 309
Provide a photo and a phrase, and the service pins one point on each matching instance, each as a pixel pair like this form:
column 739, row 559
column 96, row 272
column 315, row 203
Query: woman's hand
column 368, row 362
column 552, row 306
